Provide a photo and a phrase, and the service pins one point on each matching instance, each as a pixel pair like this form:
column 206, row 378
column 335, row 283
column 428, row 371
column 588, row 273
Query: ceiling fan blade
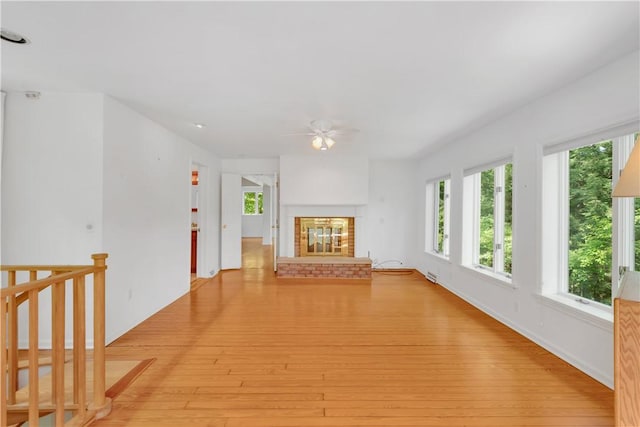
column 299, row 134
column 341, row 130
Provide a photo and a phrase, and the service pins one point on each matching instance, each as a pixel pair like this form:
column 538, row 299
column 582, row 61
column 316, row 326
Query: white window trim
column 623, row 210
column 595, row 313
column 490, row 276
column 554, row 288
column 432, row 198
column 447, row 218
column 435, row 207
column 471, row 259
column 498, row 219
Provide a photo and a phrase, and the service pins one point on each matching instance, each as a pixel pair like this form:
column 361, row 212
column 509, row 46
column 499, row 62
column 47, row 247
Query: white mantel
column 323, row 185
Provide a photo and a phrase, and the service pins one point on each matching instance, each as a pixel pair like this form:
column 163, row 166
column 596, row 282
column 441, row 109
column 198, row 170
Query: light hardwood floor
column 247, row 349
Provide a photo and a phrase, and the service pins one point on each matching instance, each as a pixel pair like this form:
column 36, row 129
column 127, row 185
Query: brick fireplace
column 324, row 247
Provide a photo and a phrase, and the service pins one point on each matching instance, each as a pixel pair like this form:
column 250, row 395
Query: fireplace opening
column 327, row 236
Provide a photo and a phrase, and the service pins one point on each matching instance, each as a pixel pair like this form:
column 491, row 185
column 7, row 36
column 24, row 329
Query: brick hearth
column 340, row 267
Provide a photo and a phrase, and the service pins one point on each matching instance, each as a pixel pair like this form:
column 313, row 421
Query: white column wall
column 147, row 215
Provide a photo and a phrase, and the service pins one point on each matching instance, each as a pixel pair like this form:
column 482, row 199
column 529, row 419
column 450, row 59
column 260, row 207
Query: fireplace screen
column 324, row 237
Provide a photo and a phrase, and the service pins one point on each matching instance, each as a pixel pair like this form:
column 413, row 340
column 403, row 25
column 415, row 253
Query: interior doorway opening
column 195, row 219
column 259, row 220
column 249, row 210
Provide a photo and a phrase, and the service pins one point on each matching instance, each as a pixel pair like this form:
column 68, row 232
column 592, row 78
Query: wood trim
column 126, row 380
column 627, row 362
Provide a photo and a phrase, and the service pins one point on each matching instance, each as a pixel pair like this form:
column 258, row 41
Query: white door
column 275, row 218
column 231, row 222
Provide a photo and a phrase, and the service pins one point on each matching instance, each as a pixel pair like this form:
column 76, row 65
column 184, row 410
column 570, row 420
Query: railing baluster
column 34, row 385
column 58, row 350
column 3, row 359
column 12, row 297
column 99, row 400
column 12, row 324
column 54, row 356
column 79, row 346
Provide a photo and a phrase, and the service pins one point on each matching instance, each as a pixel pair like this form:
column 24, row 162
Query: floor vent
column 432, row 277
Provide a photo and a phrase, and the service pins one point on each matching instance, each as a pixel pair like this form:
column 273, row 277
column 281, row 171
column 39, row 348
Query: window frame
column 555, row 222
column 432, row 217
column 472, row 219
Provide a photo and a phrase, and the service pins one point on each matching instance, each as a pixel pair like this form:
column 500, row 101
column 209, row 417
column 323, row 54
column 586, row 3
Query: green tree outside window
column 253, row 203
column 590, row 220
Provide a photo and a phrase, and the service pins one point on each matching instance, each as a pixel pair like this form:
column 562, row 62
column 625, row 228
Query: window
column 488, row 219
column 587, row 235
column 437, row 217
column 252, row 203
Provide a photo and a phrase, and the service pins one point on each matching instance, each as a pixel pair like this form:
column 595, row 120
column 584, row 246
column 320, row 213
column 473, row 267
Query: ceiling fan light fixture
column 329, row 142
column 317, row 142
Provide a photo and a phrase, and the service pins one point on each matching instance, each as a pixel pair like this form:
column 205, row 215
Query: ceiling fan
column 324, row 133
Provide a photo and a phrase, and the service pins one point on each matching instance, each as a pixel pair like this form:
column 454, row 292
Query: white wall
column 267, row 215
column 84, row 174
column 392, row 213
column 250, row 166
column 52, row 179
column 147, row 215
column 2, row 100
column 325, row 179
column 607, row 97
column 52, row 187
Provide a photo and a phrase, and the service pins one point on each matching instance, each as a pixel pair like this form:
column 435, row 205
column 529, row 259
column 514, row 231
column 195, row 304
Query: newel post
column 99, row 400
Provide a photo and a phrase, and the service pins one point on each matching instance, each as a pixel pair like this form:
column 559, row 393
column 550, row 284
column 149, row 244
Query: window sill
column 602, row 317
column 490, row 276
column 439, row 256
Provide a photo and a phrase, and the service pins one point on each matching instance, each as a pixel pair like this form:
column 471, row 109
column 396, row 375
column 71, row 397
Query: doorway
column 249, row 217
column 199, row 235
column 195, row 219
column 259, row 217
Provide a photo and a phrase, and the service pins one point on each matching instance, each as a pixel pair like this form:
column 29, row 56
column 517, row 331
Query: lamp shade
column 629, row 183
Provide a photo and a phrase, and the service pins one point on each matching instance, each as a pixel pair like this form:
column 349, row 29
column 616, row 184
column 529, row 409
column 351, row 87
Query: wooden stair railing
column 15, row 408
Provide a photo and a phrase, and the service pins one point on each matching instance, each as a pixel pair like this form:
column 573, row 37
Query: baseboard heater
column 432, row 277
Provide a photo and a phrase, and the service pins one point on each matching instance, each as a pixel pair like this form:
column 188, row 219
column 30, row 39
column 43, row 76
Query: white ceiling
column 410, row 75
